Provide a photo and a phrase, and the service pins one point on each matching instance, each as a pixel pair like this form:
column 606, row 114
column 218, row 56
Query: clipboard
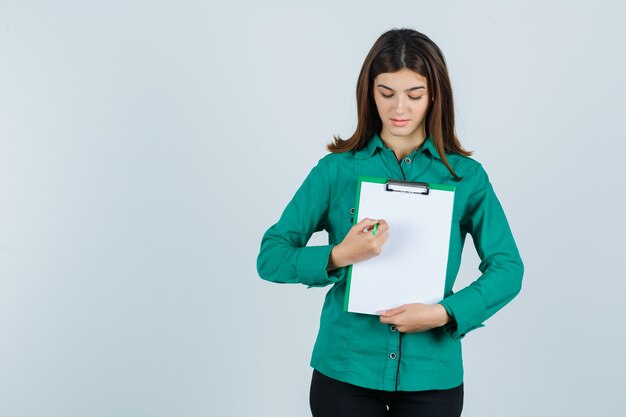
column 412, row 265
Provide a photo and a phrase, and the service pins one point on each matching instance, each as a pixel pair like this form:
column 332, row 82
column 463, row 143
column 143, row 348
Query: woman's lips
column 399, row 122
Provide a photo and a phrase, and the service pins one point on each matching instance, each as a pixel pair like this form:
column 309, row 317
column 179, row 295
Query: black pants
column 332, row 398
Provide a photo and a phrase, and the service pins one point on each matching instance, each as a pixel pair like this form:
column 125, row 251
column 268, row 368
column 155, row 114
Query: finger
column 392, row 311
column 366, row 223
column 386, row 320
column 384, row 234
column 383, row 226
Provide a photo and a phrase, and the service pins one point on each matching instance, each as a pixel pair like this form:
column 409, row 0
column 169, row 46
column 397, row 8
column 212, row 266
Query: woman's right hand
column 359, row 244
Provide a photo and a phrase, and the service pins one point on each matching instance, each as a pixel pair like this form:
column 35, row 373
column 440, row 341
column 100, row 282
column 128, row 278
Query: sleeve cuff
column 311, row 266
column 468, row 310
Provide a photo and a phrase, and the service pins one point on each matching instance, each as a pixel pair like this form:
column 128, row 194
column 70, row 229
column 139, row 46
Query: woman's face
column 402, row 99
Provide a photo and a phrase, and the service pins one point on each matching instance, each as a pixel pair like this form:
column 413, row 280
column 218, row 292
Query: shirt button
column 352, row 210
column 407, row 160
column 392, row 355
column 394, row 328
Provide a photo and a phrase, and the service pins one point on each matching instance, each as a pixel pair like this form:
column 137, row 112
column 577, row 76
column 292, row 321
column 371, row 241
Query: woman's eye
column 416, row 98
column 386, row 95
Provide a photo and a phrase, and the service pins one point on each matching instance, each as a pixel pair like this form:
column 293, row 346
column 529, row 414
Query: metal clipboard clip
column 407, row 187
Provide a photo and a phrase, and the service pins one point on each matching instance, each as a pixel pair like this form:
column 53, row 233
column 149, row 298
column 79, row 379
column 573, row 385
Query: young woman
column 407, row 361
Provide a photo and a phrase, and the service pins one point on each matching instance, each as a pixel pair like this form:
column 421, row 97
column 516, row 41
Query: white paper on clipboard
column 412, row 265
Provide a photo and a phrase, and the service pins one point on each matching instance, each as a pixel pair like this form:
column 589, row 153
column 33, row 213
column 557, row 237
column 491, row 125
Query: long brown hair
column 393, row 51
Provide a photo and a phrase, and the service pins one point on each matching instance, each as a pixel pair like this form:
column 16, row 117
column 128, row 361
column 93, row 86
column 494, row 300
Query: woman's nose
column 400, row 107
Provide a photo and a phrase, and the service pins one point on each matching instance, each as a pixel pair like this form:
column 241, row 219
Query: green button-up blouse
column 358, row 348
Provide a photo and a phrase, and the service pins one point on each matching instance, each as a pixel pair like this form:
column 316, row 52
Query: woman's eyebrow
column 407, row 90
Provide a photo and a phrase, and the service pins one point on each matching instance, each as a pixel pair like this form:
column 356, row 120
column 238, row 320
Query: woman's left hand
column 410, row 318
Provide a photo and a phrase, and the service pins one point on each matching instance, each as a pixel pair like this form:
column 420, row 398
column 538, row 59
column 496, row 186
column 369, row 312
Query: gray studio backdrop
column 145, row 146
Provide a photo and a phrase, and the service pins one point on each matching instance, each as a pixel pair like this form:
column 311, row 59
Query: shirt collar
column 376, row 143
column 429, row 145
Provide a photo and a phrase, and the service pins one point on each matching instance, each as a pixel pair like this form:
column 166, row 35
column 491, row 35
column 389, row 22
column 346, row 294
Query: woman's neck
column 403, row 145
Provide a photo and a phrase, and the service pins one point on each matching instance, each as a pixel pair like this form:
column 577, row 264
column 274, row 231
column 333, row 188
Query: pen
column 375, row 229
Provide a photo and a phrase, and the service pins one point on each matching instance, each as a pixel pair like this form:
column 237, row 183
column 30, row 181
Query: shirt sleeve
column 501, row 266
column 284, row 256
